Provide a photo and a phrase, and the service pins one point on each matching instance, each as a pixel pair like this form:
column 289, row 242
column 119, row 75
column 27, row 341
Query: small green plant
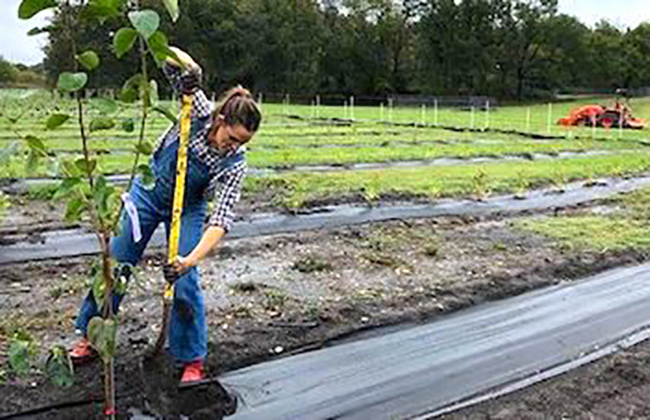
column 432, row 247
column 59, row 367
column 383, row 259
column 371, row 191
column 522, row 185
column 246, row 287
column 22, row 350
column 558, row 180
column 311, row 264
column 275, row 299
column 480, row 185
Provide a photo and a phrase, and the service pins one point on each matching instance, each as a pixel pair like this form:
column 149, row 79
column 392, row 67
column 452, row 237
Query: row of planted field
column 286, row 141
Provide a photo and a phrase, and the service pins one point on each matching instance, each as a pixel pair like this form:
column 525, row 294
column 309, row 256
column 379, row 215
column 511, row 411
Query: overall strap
column 226, row 163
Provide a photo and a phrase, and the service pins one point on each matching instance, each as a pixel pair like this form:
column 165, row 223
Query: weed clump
column 312, row 264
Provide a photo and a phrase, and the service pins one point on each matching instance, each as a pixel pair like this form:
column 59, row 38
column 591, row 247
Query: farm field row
column 119, row 161
column 296, row 190
column 539, row 118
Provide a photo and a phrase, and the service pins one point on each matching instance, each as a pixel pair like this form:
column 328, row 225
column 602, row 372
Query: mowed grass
column 289, row 157
column 295, row 190
column 525, row 118
column 598, row 233
column 626, row 226
column 534, row 118
column 282, row 142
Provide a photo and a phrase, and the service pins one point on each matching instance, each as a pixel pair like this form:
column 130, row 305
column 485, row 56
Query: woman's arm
column 221, row 220
column 210, row 239
column 185, row 77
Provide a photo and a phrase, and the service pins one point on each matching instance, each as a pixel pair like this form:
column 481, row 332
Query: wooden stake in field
column 487, row 115
column 381, row 111
column 317, row 106
column 550, row 117
column 352, row 107
column 259, row 100
column 435, row 112
column 286, row 104
column 593, row 127
column 472, row 116
column 620, row 127
column 423, row 115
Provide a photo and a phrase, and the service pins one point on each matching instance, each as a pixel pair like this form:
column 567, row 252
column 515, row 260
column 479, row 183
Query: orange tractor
column 620, row 115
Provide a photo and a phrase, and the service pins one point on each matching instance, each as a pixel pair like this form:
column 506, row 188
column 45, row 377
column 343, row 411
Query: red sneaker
column 82, row 351
column 192, row 372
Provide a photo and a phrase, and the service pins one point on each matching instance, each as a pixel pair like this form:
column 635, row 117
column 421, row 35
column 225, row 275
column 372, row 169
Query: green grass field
column 285, row 142
column 479, row 180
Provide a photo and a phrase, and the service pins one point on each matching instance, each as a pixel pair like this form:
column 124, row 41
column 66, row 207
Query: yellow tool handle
column 179, row 191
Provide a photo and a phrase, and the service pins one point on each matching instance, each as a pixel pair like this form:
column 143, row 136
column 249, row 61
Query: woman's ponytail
column 237, row 106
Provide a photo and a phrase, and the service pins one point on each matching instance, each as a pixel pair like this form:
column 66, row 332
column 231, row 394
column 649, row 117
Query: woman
column 216, row 167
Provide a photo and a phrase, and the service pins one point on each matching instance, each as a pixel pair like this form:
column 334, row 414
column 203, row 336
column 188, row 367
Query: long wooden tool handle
column 179, row 191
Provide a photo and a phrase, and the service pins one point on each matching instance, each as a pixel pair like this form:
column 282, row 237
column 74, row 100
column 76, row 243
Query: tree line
column 516, row 49
column 20, row 75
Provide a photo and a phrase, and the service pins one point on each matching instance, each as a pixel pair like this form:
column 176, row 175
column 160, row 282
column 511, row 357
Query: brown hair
column 237, row 106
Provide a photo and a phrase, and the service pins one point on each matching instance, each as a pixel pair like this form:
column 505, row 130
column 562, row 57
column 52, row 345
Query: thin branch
column 145, row 110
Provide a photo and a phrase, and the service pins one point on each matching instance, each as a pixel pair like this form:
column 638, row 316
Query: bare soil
column 279, row 295
column 615, row 387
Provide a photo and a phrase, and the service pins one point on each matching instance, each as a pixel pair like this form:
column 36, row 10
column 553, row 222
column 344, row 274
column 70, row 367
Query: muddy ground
column 278, row 295
column 615, row 387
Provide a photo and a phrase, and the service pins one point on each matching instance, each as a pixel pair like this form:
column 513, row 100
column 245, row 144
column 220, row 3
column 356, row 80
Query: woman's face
column 227, row 138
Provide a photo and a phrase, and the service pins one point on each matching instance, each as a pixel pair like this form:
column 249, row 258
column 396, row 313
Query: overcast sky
column 16, row 46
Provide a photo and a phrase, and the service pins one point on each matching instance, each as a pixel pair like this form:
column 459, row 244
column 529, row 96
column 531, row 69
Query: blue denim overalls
column 187, row 330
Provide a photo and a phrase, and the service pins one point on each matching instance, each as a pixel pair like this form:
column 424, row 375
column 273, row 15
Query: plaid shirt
column 225, row 186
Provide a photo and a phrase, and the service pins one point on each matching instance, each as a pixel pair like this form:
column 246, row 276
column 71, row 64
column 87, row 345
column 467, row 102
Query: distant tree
column 636, row 57
column 8, row 72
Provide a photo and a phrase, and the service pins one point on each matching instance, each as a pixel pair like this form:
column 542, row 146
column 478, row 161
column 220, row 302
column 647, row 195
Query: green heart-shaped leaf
column 86, row 166
column 102, row 123
column 56, row 120
column 29, row 8
column 146, row 22
column 159, row 47
column 128, row 125
column 123, row 41
column 146, row 148
column 72, row 81
column 102, row 335
column 147, row 177
column 75, row 209
column 103, row 9
column 59, row 367
column 172, row 8
column 66, row 186
column 89, row 59
column 106, row 106
column 36, row 145
column 21, row 351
